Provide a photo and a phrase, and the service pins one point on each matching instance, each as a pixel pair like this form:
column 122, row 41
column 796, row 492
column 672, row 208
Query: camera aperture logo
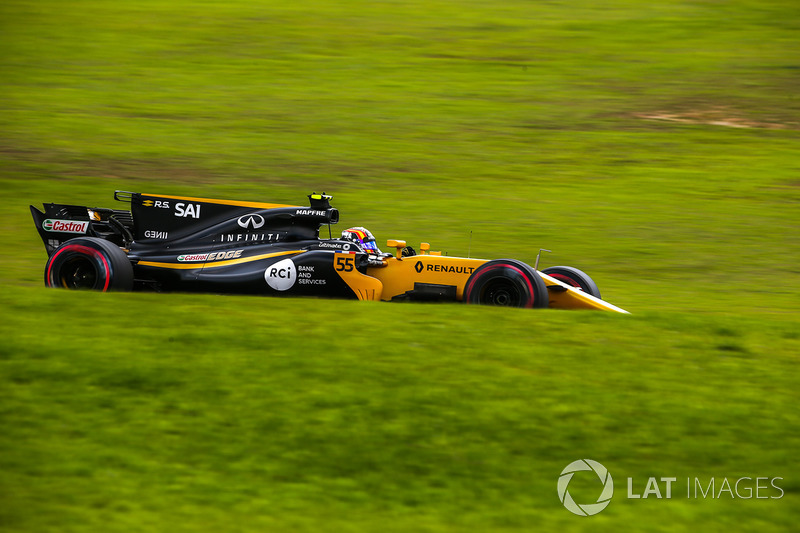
column 585, row 509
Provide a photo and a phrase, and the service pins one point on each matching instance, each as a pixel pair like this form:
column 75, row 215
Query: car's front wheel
column 574, row 278
column 506, row 283
column 89, row 263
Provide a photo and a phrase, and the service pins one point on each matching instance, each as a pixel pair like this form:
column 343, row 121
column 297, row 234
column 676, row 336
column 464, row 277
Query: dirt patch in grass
column 716, row 116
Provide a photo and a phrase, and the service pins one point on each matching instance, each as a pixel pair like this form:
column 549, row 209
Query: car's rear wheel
column 89, row 263
column 574, row 278
column 506, row 283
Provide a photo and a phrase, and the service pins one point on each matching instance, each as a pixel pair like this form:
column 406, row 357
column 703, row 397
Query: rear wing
column 61, row 222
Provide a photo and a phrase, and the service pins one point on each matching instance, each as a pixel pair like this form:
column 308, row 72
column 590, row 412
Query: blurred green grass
column 522, row 123
column 216, row 413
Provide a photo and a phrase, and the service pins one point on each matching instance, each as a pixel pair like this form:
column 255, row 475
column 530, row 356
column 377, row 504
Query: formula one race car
column 173, row 243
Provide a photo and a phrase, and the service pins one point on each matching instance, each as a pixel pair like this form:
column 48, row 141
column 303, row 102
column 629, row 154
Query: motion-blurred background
column 654, row 146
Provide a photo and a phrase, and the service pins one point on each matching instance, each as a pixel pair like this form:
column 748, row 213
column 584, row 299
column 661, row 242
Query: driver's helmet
column 363, row 238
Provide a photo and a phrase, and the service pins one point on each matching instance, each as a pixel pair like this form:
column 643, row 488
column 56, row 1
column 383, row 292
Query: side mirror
column 399, row 245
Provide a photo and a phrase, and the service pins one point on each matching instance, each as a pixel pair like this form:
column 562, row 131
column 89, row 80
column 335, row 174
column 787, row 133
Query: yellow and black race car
column 175, row 243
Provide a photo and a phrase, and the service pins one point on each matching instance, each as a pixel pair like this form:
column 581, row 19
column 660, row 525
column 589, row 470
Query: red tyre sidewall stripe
column 85, row 250
column 566, row 279
column 528, row 304
column 532, row 292
column 475, row 278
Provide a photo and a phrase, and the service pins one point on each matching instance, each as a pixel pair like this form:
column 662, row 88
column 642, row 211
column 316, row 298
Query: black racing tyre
column 507, row 283
column 574, row 278
column 89, row 263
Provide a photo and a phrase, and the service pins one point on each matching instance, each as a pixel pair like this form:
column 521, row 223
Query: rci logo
column 251, row 221
column 587, row 509
column 281, row 275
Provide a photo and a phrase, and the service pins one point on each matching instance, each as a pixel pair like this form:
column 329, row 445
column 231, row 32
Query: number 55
column 345, row 264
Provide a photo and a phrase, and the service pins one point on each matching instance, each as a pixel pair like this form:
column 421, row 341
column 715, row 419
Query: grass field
column 655, row 147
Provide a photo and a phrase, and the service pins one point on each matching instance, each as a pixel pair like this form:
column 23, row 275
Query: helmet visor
column 371, row 247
